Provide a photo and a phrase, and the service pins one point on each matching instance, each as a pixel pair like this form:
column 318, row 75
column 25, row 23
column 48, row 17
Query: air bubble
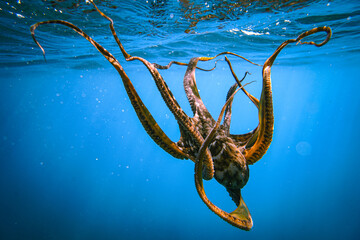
column 303, row 148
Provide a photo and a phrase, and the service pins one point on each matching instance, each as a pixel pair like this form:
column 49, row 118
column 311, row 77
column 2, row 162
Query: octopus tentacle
column 239, row 139
column 184, row 121
column 162, row 67
column 146, row 119
column 260, row 142
column 166, row 94
column 251, row 97
column 192, row 93
column 228, row 110
column 227, row 118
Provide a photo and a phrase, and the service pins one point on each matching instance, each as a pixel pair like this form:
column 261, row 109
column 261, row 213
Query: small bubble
column 96, row 159
column 303, row 148
column 171, row 15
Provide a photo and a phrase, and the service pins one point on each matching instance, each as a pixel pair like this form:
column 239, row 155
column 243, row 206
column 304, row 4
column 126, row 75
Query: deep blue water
column 77, row 164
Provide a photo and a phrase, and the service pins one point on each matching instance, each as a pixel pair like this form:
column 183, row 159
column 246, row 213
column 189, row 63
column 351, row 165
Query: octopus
column 204, row 140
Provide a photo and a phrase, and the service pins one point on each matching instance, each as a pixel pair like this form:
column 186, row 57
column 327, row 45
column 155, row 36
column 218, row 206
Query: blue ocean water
column 77, row 164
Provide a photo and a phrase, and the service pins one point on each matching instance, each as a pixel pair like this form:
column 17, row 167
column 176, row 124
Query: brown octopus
column 208, row 143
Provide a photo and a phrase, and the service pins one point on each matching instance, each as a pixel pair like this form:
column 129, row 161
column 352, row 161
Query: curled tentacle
column 315, row 30
column 272, row 58
column 260, row 141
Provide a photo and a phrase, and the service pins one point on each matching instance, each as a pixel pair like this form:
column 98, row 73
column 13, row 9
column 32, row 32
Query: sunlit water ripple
column 176, row 30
